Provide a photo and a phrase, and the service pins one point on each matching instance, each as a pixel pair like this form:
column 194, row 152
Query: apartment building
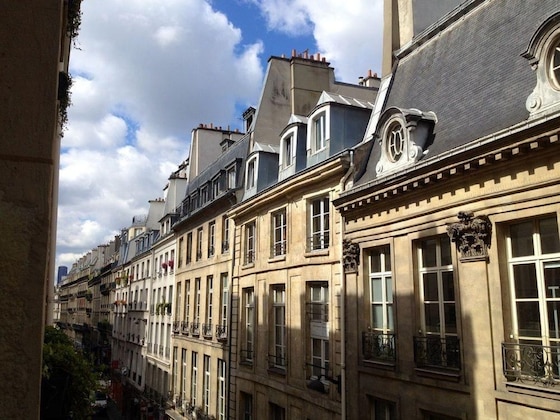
column 286, row 358
column 451, row 224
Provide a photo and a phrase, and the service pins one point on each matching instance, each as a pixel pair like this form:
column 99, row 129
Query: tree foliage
column 68, row 378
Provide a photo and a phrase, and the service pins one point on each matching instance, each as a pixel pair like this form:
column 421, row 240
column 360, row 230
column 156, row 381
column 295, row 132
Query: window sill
column 380, row 364
column 277, row 370
column 246, row 363
column 277, row 258
column 443, row 374
column 247, row 266
column 533, row 390
column 317, row 253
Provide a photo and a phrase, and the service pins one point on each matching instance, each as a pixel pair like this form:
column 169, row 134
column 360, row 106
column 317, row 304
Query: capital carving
column 350, row 256
column 472, row 235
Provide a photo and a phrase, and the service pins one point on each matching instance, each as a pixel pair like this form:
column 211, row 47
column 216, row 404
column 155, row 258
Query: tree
column 68, row 378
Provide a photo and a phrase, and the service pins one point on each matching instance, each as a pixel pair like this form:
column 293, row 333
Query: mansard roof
column 468, row 69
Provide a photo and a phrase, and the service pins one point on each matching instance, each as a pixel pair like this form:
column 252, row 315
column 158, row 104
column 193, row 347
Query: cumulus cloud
column 348, row 33
column 148, row 71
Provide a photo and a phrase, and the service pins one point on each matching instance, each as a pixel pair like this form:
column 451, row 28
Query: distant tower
column 405, row 19
column 62, row 271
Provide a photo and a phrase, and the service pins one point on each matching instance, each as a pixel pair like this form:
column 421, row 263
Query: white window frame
column 251, row 173
column 211, row 238
column 288, row 151
column 383, row 299
column 319, row 236
column 184, row 375
column 249, row 320
column 279, row 232
column 222, row 389
column 318, row 131
column 250, row 242
column 439, row 269
column 194, row 377
column 279, row 354
column 319, row 340
column 199, row 236
column 224, row 280
column 206, row 385
column 541, row 262
column 231, row 174
column 209, row 298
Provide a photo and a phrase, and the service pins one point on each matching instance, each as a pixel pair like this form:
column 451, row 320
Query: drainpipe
column 345, row 178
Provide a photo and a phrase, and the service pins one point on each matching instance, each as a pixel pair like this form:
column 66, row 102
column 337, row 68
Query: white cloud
column 348, row 33
column 148, row 71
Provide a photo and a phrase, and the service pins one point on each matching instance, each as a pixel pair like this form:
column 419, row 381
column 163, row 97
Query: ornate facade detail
column 351, row 256
column 472, row 235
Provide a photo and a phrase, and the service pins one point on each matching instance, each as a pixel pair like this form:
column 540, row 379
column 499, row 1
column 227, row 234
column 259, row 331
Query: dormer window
column 231, row 178
column 554, row 63
column 288, row 149
column 395, row 141
column 404, row 135
column 251, row 173
column 318, row 132
column 543, row 54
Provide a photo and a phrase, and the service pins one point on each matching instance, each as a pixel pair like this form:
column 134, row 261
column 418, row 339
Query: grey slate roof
column 471, row 74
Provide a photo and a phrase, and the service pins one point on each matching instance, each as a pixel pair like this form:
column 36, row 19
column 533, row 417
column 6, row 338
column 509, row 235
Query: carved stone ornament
column 351, row 256
column 472, row 236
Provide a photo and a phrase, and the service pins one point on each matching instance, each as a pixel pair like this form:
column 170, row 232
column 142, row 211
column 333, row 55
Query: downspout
column 342, row 183
column 230, row 321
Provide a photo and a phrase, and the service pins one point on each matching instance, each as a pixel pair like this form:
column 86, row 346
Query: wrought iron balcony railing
column 195, row 329
column 531, row 363
column 249, row 256
column 247, row 356
column 176, row 327
column 378, row 346
column 278, row 249
column 318, row 241
column 207, row 330
column 277, row 361
column 221, row 332
column 437, row 352
column 184, row 327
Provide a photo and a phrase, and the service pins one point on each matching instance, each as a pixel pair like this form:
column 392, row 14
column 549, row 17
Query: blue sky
column 146, row 72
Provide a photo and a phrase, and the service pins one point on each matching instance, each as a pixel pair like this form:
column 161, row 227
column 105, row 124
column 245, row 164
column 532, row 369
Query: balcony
column 184, row 327
column 249, row 256
column 207, row 330
column 378, row 346
column 225, row 246
column 318, row 241
column 277, row 362
column 195, row 329
column 437, row 352
column 531, row 363
column 221, row 332
column 176, row 328
column 247, row 356
column 278, row 249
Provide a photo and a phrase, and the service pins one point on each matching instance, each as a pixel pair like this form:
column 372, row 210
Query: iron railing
column 247, row 355
column 195, row 329
column 278, row 249
column 378, row 346
column 221, row 332
column 184, row 327
column 318, row 241
column 207, row 330
column 277, row 361
column 437, row 351
column 532, row 363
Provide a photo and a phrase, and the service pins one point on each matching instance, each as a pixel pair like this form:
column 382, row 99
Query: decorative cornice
column 423, row 175
column 350, row 256
column 472, row 236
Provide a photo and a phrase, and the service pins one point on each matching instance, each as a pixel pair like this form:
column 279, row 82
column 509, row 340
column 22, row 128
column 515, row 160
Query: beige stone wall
column 526, row 186
column 29, row 58
column 294, row 270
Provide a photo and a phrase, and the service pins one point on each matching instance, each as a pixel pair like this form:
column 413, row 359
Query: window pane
column 390, row 317
column 525, row 279
column 432, row 317
column 522, row 239
column 430, row 287
column 429, row 253
column 552, row 279
column 389, row 289
column 445, row 250
column 448, row 286
column 550, row 241
column 528, row 319
column 377, row 314
column 375, row 261
column 450, row 321
column 553, row 309
column 376, row 290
